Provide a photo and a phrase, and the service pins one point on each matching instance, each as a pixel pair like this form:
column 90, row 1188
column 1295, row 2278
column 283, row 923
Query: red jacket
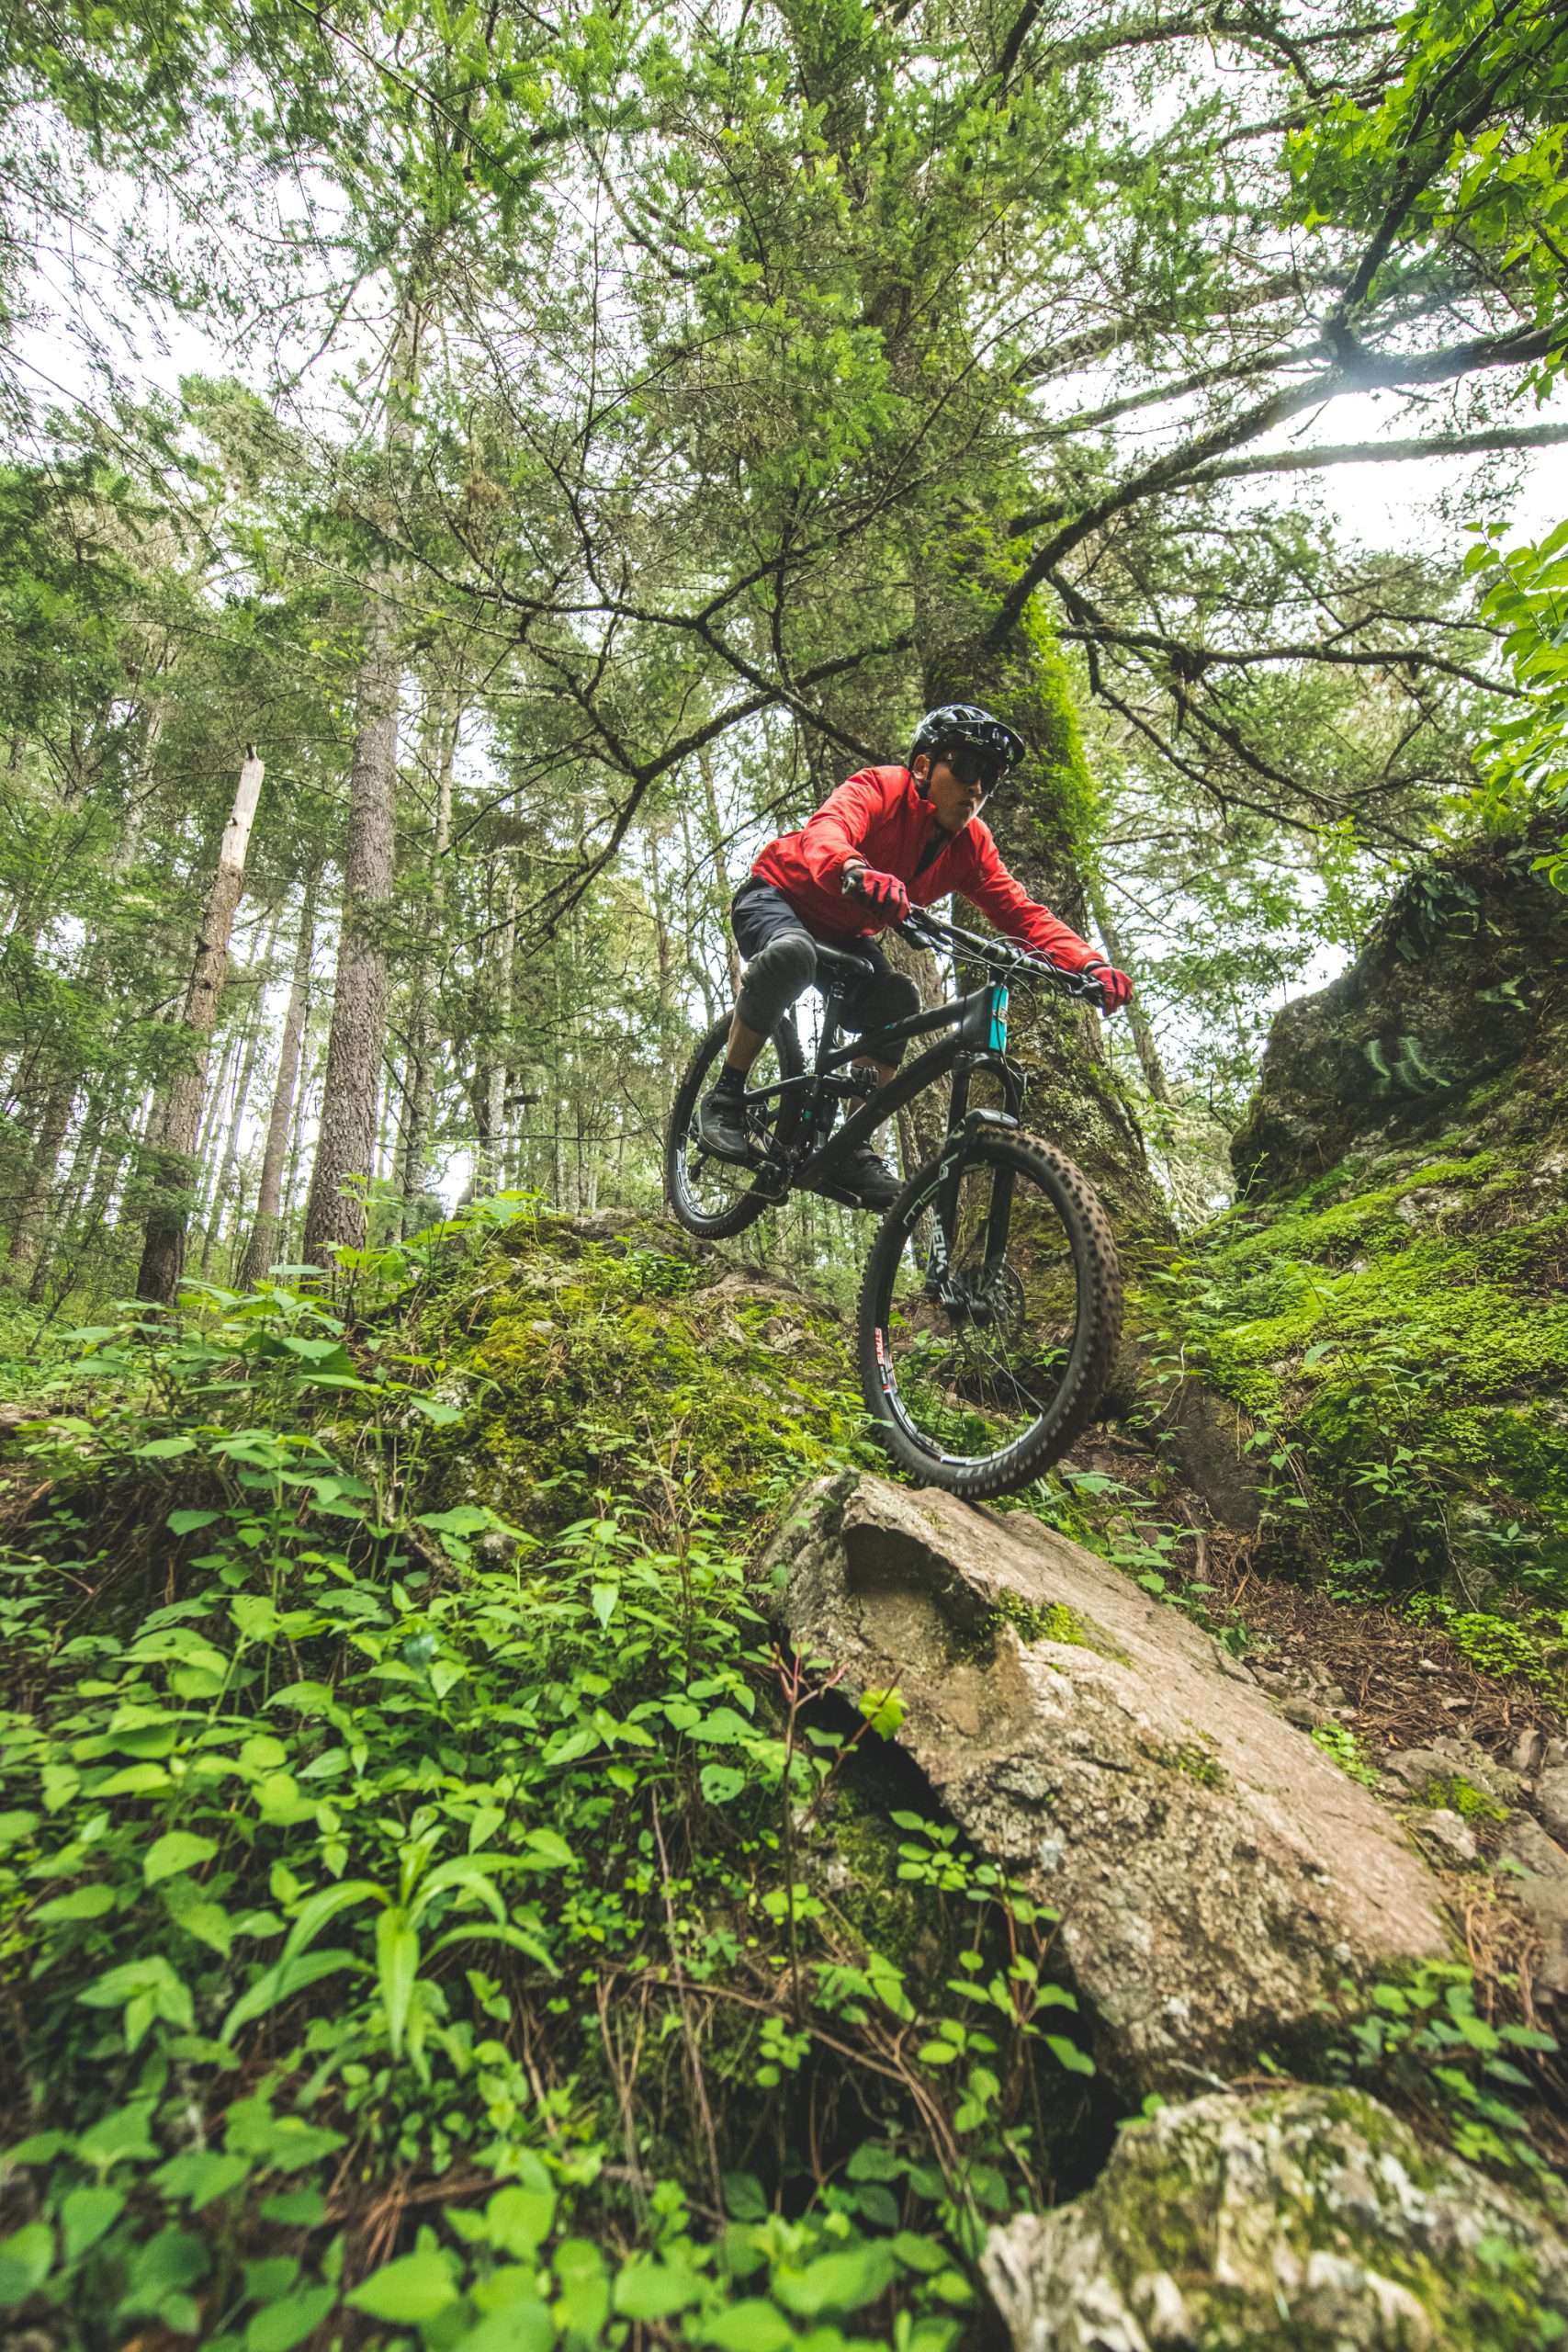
column 880, row 816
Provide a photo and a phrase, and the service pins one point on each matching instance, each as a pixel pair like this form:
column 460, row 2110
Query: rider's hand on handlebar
column 1115, row 987
column 882, row 891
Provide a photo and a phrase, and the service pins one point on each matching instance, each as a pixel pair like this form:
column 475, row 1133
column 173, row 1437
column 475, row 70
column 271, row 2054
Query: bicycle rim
column 715, row 1197
column 982, row 1358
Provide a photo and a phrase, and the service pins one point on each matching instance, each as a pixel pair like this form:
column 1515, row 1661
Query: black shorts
column 761, row 915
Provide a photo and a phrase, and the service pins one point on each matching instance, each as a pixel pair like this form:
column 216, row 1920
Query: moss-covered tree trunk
column 1042, row 818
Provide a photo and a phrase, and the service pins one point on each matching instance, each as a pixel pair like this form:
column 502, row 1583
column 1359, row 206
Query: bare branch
column 1359, row 372
column 1381, row 453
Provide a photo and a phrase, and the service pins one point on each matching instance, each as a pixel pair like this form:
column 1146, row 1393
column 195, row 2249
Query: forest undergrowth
column 432, row 1922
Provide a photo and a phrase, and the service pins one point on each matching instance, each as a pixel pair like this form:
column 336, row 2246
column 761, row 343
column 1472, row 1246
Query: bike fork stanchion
column 998, row 1218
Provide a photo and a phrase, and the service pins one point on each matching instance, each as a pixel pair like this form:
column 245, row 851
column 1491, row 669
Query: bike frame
column 978, row 1023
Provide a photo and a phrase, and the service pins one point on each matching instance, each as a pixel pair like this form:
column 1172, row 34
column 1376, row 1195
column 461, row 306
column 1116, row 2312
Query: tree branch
column 1359, row 373
column 1381, row 453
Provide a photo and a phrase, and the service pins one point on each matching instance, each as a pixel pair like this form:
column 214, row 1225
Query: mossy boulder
column 1466, row 978
column 1297, row 2221
column 1388, row 1303
column 614, row 1355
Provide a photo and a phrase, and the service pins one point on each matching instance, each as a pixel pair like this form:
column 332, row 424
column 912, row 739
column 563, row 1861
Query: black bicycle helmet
column 965, row 722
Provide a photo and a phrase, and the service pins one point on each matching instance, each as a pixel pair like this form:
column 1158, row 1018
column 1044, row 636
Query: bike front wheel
column 989, row 1315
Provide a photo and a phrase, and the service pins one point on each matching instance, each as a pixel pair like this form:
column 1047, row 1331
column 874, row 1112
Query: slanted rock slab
column 1293, row 2221
column 1216, row 1874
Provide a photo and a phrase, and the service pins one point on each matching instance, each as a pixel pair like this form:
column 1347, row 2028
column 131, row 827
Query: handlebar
column 923, row 928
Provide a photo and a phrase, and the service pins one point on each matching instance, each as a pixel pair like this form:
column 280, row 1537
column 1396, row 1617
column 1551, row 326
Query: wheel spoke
column 712, row 1198
column 972, row 1384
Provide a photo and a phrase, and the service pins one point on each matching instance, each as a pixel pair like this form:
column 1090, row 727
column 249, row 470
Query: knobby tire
column 1096, row 1331
column 679, row 1151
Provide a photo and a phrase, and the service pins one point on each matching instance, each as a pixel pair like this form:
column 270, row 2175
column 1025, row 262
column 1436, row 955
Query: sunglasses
column 971, row 765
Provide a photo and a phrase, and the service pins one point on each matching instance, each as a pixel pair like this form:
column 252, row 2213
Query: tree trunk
column 32, row 1216
column 27, row 1255
column 720, row 867
column 1143, row 1035
column 489, row 1164
column 162, row 1254
column 224, row 1186
column 416, row 1120
column 335, row 1214
column 304, row 1109
column 259, row 1248
column 1041, row 815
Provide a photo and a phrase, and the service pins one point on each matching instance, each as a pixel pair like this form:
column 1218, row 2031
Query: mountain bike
column 991, row 1302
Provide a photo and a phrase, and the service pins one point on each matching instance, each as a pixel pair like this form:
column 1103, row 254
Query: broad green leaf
column 647, row 2289
column 27, row 2257
column 173, row 2259
column 467, row 1872
column 177, row 1850
column 84, row 2215
column 838, row 2282
column 518, row 1938
column 884, row 1711
column 163, row 1449
column 522, row 2324
column 201, row 1917
column 721, row 1727
column 85, row 1903
column 145, row 1989
column 548, row 1846
column 397, row 1967
column 121, row 2136
column 196, row 2176
column 519, row 2218
column 750, row 2325
column 325, row 1905
column 1069, row 2055
column 720, row 1783
column 415, row 2289
column 299, row 2208
column 288, row 2321
column 584, row 2298
column 135, row 1781
column 282, row 1981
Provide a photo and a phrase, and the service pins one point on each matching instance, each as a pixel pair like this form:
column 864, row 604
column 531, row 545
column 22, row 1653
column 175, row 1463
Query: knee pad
column 774, row 978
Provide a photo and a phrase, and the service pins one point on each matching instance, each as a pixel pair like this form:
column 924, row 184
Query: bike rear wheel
column 714, row 1198
column 980, row 1373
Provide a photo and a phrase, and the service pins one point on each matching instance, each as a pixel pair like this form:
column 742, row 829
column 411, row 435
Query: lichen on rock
column 1293, row 2221
column 1217, row 1877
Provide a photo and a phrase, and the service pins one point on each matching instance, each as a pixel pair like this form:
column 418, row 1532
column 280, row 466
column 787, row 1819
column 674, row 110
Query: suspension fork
column 961, row 1126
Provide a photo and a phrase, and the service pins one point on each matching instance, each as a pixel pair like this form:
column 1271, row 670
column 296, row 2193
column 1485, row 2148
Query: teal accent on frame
column 998, row 1036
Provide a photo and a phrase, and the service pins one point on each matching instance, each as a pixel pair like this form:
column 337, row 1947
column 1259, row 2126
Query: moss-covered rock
column 1388, row 1301
column 1301, row 2221
column 1464, row 980
column 622, row 1358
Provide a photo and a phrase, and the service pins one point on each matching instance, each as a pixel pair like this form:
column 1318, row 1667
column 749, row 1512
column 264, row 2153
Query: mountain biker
column 887, row 839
